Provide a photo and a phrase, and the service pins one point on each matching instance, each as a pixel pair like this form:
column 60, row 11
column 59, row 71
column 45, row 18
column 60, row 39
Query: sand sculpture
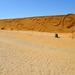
column 60, row 23
column 35, row 53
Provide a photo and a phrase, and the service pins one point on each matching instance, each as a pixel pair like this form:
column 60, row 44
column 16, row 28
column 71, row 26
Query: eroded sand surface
column 36, row 53
column 56, row 23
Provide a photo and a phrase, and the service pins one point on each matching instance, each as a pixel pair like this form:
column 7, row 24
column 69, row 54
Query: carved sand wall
column 60, row 23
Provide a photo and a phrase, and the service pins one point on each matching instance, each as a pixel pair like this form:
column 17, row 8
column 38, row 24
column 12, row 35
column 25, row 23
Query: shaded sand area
column 36, row 53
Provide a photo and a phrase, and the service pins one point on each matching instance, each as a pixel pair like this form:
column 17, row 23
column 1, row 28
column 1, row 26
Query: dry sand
column 36, row 53
column 58, row 23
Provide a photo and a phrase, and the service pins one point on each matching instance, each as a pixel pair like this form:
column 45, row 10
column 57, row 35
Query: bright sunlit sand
column 36, row 53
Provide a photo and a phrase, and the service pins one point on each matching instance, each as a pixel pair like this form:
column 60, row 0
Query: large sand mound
column 28, row 51
column 36, row 53
column 59, row 23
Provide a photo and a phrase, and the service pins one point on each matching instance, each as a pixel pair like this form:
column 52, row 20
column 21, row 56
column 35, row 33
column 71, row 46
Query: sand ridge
column 58, row 23
column 28, row 45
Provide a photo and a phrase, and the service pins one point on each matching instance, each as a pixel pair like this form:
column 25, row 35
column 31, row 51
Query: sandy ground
column 36, row 53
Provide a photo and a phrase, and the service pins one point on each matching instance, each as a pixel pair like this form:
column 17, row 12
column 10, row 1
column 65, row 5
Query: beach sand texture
column 28, row 45
column 36, row 53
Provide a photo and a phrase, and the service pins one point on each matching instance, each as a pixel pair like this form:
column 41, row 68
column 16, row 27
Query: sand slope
column 58, row 23
column 36, row 53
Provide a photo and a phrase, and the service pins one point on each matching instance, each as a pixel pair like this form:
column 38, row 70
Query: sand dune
column 58, row 23
column 36, row 53
column 28, row 45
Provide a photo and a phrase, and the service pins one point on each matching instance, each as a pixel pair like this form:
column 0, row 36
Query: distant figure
column 56, row 35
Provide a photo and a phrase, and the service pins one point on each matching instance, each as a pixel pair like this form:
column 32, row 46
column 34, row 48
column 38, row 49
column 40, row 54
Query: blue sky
column 30, row 8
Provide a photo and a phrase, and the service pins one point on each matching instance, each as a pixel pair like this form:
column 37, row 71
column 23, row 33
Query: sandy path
column 27, row 53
